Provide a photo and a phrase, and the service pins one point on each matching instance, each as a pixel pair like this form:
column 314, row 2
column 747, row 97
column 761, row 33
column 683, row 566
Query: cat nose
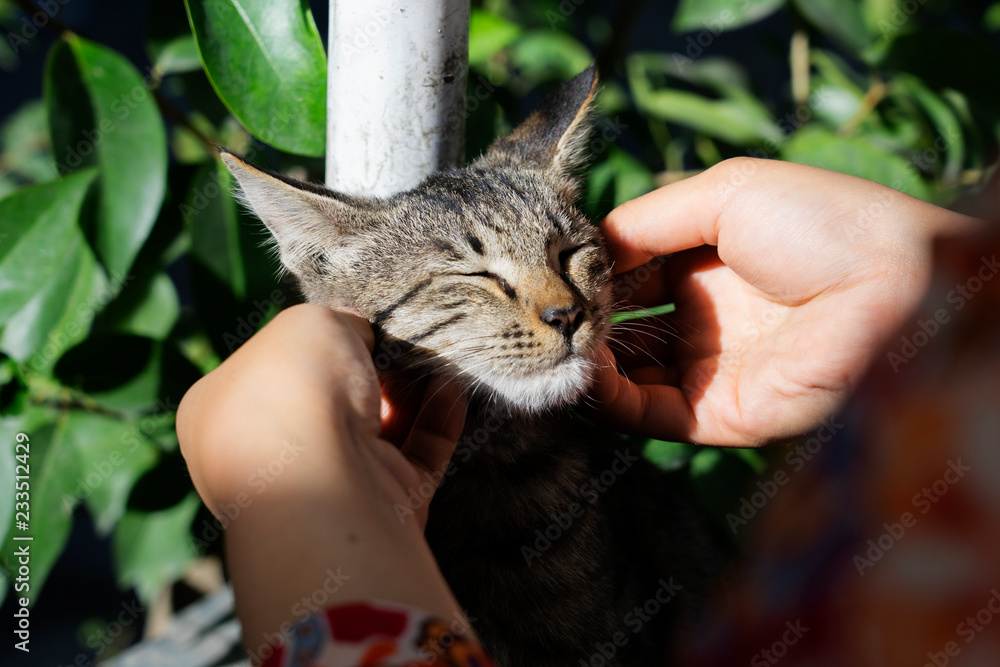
column 564, row 320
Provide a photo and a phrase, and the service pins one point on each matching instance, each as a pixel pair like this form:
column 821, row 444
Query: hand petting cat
column 787, row 281
column 295, row 413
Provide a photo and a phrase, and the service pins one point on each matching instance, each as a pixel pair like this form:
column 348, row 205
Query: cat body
column 558, row 544
column 552, row 539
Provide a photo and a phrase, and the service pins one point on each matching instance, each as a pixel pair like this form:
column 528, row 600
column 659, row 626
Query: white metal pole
column 395, row 92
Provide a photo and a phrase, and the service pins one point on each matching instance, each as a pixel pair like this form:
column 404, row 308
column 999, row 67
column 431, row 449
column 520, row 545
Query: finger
column 359, row 325
column 654, row 375
column 401, row 401
column 644, row 342
column 676, row 217
column 657, row 411
column 437, row 428
column 645, row 285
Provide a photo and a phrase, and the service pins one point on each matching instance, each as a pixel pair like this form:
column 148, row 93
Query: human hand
column 787, row 280
column 307, row 377
column 283, row 443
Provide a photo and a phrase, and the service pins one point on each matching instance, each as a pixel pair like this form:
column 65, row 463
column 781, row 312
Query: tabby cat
column 564, row 549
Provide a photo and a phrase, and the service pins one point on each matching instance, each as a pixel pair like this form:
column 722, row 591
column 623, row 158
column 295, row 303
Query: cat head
column 486, row 273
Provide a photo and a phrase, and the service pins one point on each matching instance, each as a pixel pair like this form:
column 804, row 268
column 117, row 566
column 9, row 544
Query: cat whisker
column 633, row 349
column 642, row 329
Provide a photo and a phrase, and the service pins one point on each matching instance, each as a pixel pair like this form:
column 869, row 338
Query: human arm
column 287, row 431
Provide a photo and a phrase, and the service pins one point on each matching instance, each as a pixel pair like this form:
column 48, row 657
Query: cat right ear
column 554, row 135
column 303, row 218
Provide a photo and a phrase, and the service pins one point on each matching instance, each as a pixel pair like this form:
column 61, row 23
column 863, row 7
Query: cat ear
column 555, row 134
column 303, row 218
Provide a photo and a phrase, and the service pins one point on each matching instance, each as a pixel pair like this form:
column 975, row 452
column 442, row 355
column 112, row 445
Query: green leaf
column 153, row 549
column 991, row 18
column 53, row 468
column 9, row 428
column 265, row 60
column 945, row 121
column 178, row 55
column 24, row 144
column 721, row 75
column 38, row 234
column 213, row 221
column 719, row 480
column 737, row 118
column 147, row 374
column 884, row 16
column 60, row 314
column 740, row 122
column 130, row 384
column 669, row 455
column 720, row 15
column 488, row 35
column 751, row 457
column 101, row 112
column 836, row 90
column 856, row 156
column 544, row 55
column 111, row 454
column 615, row 181
column 146, row 307
column 840, row 20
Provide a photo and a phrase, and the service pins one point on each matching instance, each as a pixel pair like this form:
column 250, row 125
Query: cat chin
column 540, row 391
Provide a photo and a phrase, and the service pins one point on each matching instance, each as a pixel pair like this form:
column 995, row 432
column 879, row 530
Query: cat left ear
column 303, row 218
column 554, row 135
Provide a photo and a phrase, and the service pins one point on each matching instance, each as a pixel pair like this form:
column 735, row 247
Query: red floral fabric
column 376, row 634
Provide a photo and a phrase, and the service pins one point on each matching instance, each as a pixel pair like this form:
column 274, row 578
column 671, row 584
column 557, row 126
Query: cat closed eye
column 503, row 284
column 565, row 255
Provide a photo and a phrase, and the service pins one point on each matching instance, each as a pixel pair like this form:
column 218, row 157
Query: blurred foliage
column 128, row 271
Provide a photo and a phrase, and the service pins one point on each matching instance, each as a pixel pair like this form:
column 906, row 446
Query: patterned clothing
column 376, row 634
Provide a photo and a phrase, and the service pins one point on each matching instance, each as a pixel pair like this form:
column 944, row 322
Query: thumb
column 672, row 218
column 437, row 427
